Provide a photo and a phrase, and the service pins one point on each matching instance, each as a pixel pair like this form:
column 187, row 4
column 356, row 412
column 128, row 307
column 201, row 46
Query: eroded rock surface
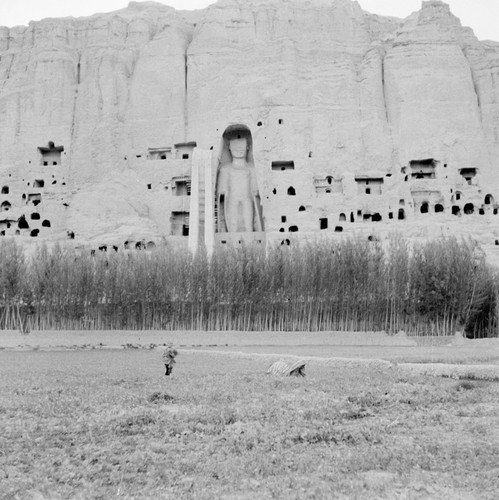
column 359, row 122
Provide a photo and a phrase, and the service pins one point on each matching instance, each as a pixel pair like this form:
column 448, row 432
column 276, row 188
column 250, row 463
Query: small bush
column 465, row 385
column 160, row 397
column 133, row 425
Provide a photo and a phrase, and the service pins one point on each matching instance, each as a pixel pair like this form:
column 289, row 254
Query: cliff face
column 344, row 94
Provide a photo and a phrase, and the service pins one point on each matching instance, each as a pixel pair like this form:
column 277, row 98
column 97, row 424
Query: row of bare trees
column 436, row 287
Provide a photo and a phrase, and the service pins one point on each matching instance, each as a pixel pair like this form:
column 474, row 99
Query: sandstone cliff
column 349, row 97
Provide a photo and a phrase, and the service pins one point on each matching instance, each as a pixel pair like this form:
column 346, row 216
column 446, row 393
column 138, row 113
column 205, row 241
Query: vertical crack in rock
column 75, row 99
column 475, row 84
column 186, row 109
column 78, row 72
column 10, row 67
column 255, row 14
column 383, row 86
column 189, row 39
column 99, row 84
column 18, row 115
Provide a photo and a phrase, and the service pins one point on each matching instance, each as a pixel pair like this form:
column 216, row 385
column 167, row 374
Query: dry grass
column 100, row 424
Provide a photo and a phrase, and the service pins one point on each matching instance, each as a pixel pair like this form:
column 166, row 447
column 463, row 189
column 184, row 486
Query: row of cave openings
column 183, row 150
column 34, row 198
column 418, row 170
column 400, row 214
column 240, row 242
column 425, row 207
column 127, row 245
column 50, row 155
column 31, row 199
column 180, row 151
column 181, row 186
column 426, row 169
column 371, row 238
column 23, row 225
column 324, row 221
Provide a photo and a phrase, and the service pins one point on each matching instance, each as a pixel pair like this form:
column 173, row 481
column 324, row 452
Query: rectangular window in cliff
column 50, row 154
column 468, row 174
column 159, row 153
column 184, row 149
column 328, row 184
column 369, row 185
column 423, row 169
column 323, row 223
column 39, row 183
column 179, row 223
column 182, row 186
column 283, row 165
column 34, row 199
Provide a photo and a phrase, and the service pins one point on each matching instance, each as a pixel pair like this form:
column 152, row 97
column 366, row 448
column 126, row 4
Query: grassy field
column 105, row 424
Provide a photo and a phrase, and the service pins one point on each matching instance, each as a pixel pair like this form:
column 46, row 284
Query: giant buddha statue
column 237, row 195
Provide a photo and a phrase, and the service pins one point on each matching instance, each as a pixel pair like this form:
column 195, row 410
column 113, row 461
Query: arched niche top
column 235, row 131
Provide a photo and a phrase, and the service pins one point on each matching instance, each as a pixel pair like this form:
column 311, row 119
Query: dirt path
column 358, row 345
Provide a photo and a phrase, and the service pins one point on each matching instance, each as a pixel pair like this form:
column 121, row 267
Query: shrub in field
column 436, row 287
column 160, row 397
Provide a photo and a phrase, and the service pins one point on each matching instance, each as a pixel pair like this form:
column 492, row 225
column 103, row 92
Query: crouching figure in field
column 282, row 369
column 169, row 355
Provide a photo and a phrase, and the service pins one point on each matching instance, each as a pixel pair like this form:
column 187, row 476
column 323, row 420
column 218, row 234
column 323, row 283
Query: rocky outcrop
column 349, row 97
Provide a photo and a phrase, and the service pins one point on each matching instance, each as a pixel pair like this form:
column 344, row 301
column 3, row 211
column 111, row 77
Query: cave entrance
column 469, row 208
column 423, row 169
column 283, row 165
column 468, row 174
column 34, row 198
column 50, row 154
column 159, row 153
column 184, row 149
column 369, row 185
column 489, row 199
column 182, row 186
column 180, row 224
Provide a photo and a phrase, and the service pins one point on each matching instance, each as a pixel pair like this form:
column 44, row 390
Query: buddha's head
column 238, row 147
